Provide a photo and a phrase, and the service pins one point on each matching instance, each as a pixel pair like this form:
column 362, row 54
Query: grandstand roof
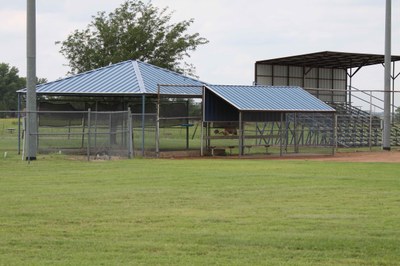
column 329, row 59
column 125, row 78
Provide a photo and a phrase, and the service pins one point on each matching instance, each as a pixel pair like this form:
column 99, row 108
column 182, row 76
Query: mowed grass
column 58, row 211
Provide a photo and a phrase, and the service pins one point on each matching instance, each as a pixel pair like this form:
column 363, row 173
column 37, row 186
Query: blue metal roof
column 153, row 75
column 270, row 98
column 125, row 78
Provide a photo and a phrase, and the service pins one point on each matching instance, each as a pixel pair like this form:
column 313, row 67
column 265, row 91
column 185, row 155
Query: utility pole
column 31, row 116
column 386, row 103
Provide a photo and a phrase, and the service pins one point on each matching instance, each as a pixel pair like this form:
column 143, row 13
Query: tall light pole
column 31, row 121
column 386, row 104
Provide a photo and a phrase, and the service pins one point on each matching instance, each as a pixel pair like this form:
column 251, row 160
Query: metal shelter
column 234, row 105
column 129, row 84
column 329, row 59
column 328, row 75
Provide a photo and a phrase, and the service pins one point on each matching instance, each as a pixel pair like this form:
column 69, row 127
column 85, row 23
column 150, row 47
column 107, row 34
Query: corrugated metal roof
column 270, row 98
column 153, row 75
column 125, row 78
column 115, row 79
column 330, row 59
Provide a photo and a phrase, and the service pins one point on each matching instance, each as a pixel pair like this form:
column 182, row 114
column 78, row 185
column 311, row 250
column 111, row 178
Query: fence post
column 158, row 123
column 130, row 135
column 335, row 138
column 370, row 121
column 281, row 136
column 19, row 123
column 24, row 137
column 88, row 132
column 296, row 147
column 143, row 122
column 240, row 135
column 201, row 138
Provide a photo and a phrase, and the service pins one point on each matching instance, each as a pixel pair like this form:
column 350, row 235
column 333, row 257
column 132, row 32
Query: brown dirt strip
column 378, row 156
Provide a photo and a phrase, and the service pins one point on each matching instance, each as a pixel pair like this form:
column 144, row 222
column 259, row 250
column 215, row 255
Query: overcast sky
column 240, row 32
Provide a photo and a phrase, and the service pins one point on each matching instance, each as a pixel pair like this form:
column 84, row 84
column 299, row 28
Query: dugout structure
column 266, row 120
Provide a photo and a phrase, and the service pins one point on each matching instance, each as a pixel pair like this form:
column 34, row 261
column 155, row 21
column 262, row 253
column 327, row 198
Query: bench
column 217, row 151
column 10, row 130
column 221, row 150
column 248, row 147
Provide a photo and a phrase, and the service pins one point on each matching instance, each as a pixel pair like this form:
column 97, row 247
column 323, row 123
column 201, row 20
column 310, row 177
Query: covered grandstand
column 329, row 76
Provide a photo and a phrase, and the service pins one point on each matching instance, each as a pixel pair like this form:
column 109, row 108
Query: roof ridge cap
column 139, row 77
column 171, row 72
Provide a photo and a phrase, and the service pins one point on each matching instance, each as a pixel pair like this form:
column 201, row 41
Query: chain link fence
column 92, row 134
column 297, row 133
column 8, row 133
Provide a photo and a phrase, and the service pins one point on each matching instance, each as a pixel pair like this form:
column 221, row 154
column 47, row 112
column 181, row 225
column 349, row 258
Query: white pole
column 31, row 129
column 386, row 118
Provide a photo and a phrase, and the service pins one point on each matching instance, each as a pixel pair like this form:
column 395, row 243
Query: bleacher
column 356, row 128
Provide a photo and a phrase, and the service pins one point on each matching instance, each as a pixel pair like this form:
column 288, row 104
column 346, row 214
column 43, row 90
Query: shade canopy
column 329, row 59
column 130, row 77
column 269, row 98
column 258, row 103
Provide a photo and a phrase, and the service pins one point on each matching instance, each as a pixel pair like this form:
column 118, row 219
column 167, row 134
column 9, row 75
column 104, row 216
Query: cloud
column 12, row 21
column 240, row 31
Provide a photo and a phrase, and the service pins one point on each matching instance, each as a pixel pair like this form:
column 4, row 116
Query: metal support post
column 350, row 85
column 281, row 136
column 130, row 134
column 158, row 123
column 370, row 121
column 31, row 125
column 202, row 124
column 19, row 123
column 88, row 138
column 335, row 140
column 393, row 79
column 143, row 120
column 240, row 135
column 296, row 146
column 386, row 120
column 187, row 125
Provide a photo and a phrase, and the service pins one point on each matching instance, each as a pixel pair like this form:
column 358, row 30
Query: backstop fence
column 92, row 134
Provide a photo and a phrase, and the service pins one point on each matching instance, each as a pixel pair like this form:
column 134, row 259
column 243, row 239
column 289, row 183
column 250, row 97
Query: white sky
column 240, row 32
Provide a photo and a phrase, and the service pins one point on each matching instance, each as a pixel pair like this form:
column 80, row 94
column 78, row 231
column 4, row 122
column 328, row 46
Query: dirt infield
column 377, row 156
column 392, row 156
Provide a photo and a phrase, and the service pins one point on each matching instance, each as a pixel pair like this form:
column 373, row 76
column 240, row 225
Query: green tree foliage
column 135, row 30
column 10, row 82
column 397, row 115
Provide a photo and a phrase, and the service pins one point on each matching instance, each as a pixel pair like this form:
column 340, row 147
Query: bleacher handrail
column 369, row 95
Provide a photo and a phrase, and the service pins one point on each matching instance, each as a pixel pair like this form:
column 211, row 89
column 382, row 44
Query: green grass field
column 60, row 211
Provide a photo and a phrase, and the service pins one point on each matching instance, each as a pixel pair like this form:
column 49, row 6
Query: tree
column 397, row 115
column 10, row 82
column 135, row 30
